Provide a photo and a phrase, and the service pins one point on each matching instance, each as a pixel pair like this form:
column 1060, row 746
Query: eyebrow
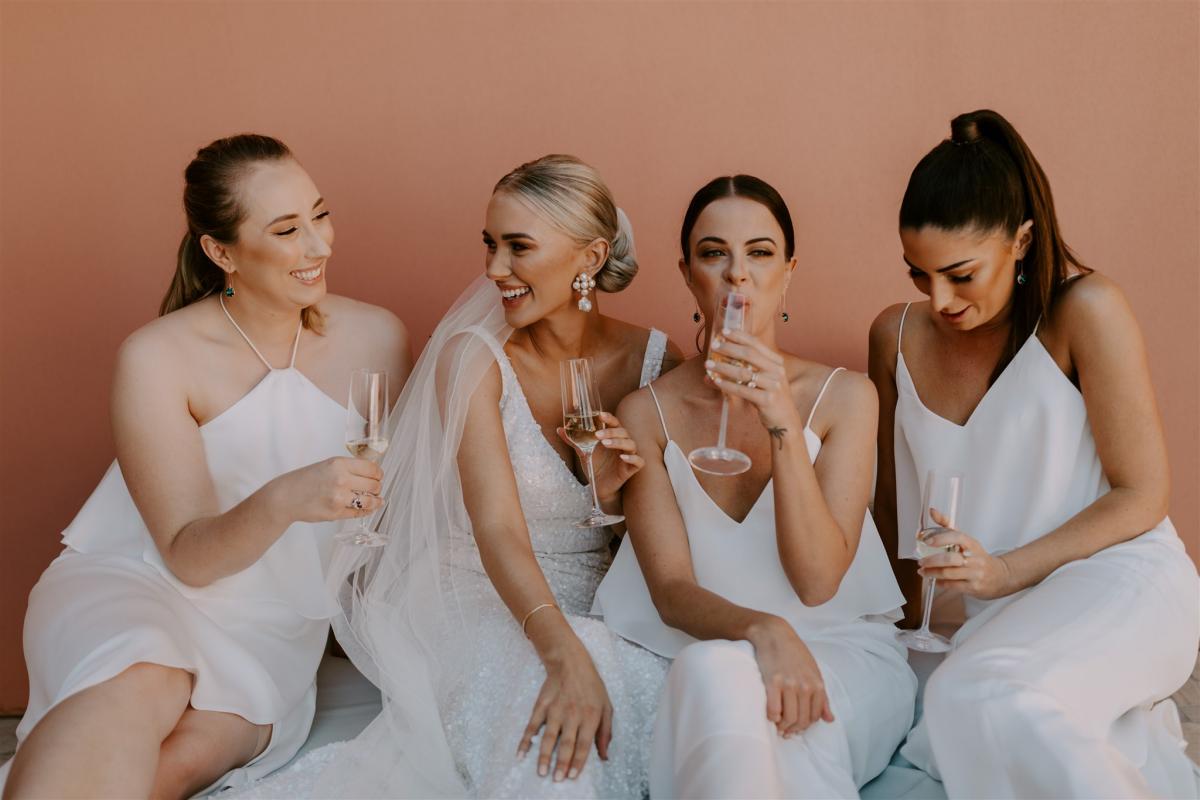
column 294, row 216
column 719, row 240
column 940, row 270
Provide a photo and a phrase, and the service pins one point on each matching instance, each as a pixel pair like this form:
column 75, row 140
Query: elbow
column 185, row 573
column 815, row 590
column 665, row 600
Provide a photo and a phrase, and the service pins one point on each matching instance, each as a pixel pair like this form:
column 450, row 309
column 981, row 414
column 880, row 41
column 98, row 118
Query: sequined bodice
column 573, row 560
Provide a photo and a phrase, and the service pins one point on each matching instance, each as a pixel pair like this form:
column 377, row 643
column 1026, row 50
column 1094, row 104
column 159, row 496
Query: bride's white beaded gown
column 485, row 711
column 252, row 640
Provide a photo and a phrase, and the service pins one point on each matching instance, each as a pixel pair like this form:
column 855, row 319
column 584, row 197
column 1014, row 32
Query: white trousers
column 712, row 738
column 1052, row 692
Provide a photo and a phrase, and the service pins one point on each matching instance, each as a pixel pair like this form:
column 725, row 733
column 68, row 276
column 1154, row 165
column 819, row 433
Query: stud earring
column 583, row 284
column 696, row 315
column 1021, row 279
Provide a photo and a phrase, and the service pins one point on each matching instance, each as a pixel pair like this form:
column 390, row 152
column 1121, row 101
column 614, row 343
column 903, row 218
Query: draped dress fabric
column 1059, row 690
column 713, row 738
column 485, row 714
column 251, row 640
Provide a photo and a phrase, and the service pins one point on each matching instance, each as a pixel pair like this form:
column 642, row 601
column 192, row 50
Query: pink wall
column 406, row 114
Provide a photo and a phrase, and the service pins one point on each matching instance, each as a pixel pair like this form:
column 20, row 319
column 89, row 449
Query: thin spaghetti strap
column 821, row 393
column 900, row 332
column 261, row 357
column 296, row 344
column 662, row 420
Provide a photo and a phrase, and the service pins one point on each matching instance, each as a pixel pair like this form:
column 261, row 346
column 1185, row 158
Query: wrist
column 1009, row 583
column 762, row 628
column 273, row 497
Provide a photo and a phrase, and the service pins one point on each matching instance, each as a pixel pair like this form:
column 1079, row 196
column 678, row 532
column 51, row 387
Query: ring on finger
column 357, row 502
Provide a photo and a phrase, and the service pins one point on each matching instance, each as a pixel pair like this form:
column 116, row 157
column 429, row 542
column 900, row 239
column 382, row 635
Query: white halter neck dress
column 1052, row 691
column 712, row 737
column 252, row 640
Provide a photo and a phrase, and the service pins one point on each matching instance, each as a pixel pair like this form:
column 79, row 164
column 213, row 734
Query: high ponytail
column 211, row 204
column 985, row 177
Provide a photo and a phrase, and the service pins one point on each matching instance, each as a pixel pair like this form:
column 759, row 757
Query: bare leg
column 203, row 747
column 103, row 741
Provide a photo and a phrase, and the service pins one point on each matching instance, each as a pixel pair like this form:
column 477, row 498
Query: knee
column 714, row 663
column 163, row 692
column 965, row 694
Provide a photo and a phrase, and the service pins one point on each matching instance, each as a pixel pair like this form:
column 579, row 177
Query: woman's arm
column 573, row 703
column 881, row 367
column 1107, row 353
column 162, row 460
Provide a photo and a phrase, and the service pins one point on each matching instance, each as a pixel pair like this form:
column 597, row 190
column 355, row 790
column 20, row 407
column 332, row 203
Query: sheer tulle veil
column 399, row 603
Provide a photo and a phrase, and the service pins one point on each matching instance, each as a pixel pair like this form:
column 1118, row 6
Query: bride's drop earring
column 696, row 316
column 583, row 284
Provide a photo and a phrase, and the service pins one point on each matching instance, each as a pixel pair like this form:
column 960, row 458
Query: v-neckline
column 768, row 487
column 982, row 400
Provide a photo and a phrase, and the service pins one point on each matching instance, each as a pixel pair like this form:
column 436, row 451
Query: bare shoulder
column 638, row 413
column 847, row 394
column 160, row 347
column 673, row 357
column 1088, row 303
column 360, row 318
column 885, row 330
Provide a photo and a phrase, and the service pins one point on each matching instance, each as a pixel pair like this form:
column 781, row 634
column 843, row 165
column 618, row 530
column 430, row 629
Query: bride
column 472, row 621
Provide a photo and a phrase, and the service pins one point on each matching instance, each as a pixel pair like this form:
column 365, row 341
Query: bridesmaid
column 1025, row 372
column 797, row 685
column 177, row 636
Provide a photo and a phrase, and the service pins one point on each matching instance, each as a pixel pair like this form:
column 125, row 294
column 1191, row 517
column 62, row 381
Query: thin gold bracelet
column 536, row 609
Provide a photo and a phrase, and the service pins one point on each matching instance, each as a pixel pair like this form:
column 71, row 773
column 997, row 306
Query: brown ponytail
column 985, row 177
column 211, row 205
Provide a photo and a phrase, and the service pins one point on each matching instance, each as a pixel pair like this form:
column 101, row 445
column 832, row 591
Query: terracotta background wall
column 406, row 113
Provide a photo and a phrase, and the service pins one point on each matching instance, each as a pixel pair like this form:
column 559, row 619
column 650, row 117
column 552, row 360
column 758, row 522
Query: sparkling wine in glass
column 581, row 419
column 941, row 493
column 732, row 311
column 366, row 437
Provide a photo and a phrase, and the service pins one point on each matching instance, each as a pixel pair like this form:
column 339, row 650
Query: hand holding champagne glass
column 939, row 499
column 366, row 437
column 581, row 423
column 731, row 315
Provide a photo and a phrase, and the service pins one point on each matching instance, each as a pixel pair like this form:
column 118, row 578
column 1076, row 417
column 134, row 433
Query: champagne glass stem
column 724, row 422
column 596, row 510
column 928, row 607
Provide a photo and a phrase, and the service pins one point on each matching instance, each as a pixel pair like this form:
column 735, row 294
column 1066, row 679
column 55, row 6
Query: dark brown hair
column 985, row 177
column 746, row 186
column 210, row 200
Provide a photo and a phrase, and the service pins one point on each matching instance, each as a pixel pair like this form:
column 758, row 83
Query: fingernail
column 725, row 331
column 709, row 364
column 716, row 345
column 573, row 774
column 716, row 378
column 626, row 457
column 558, row 776
column 542, row 770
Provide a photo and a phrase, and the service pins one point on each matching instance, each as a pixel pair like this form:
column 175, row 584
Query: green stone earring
column 229, row 291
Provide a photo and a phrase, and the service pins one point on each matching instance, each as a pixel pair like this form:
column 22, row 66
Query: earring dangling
column 783, row 314
column 583, row 284
column 229, row 290
column 696, row 315
column 1021, row 279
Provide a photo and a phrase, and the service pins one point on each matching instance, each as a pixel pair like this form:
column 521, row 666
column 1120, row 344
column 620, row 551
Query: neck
column 267, row 325
column 567, row 333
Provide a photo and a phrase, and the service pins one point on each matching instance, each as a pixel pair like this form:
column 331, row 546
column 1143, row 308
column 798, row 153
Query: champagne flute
column 941, row 493
column 719, row 459
column 581, row 419
column 366, row 437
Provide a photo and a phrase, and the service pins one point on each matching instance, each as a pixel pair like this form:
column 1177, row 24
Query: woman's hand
column 615, row 458
column 574, row 709
column 796, row 695
column 968, row 567
column 336, row 488
column 761, row 379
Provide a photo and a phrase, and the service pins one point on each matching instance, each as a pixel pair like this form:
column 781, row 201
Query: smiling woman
column 187, row 609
